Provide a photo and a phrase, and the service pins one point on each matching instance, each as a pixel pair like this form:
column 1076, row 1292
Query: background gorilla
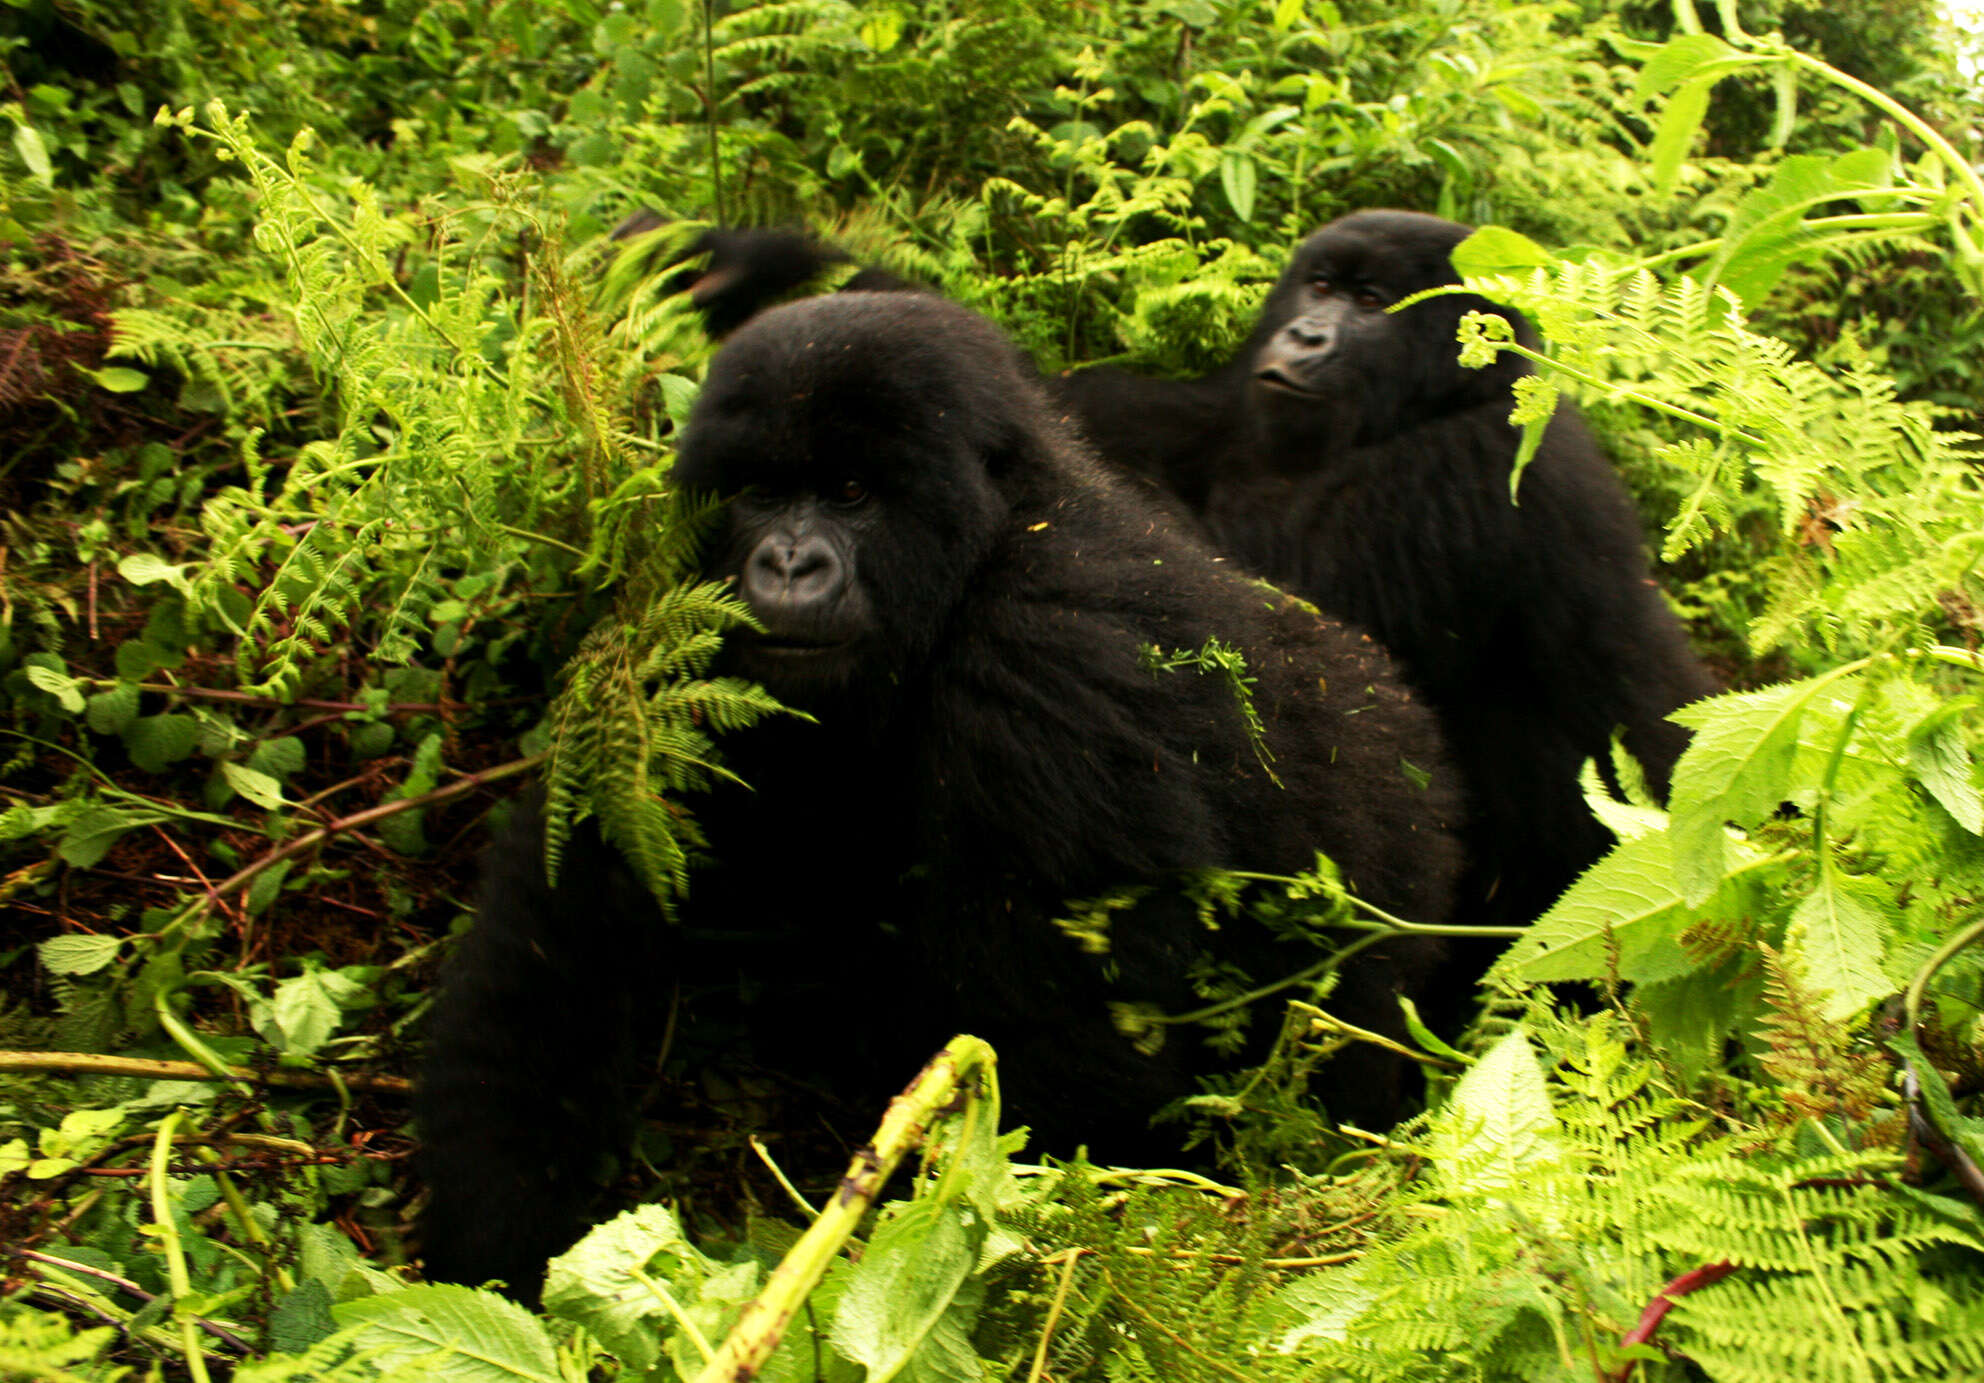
column 964, row 601
column 1345, row 455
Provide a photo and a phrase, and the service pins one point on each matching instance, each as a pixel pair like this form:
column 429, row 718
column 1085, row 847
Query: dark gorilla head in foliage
column 873, row 473
column 1333, row 365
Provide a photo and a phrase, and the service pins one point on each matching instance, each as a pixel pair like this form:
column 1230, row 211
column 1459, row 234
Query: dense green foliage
column 334, row 443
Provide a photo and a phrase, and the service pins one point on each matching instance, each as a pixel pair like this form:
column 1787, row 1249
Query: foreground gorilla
column 1345, row 455
column 965, row 602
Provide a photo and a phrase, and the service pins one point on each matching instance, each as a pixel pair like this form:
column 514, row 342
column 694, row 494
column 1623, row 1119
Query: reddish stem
column 1663, row 1302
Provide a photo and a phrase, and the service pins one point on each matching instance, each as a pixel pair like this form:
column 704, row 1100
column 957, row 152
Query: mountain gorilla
column 967, row 605
column 1345, row 455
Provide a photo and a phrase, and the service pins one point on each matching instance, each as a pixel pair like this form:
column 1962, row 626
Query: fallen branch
column 762, row 1323
column 95, row 1064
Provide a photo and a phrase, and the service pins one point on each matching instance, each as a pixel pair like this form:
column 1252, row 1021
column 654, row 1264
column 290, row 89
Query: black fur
column 1380, row 491
column 962, row 598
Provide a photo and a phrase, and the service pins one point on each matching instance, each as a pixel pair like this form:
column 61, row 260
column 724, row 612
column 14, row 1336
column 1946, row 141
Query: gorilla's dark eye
column 1319, row 284
column 1368, row 297
column 850, row 491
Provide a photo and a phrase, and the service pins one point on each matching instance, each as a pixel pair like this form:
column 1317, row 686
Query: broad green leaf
column 1629, row 899
column 1237, row 178
column 1498, row 1127
column 881, row 29
column 594, row 1285
column 92, row 831
column 678, row 396
column 1675, row 134
column 446, row 1334
column 256, row 786
column 1737, row 769
column 1498, row 250
column 1837, row 937
column 143, row 568
column 155, row 743
column 1939, row 759
column 306, row 1008
column 265, row 888
column 1691, row 1016
column 111, row 711
column 65, row 689
column 34, row 153
column 120, row 379
column 1286, row 12
column 78, row 953
column 1684, row 58
column 905, row 1282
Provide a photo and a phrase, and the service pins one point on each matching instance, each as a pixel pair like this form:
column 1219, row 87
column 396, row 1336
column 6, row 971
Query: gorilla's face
column 1333, row 366
column 858, row 436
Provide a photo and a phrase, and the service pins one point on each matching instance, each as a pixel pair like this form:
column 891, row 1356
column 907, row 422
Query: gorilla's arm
column 530, row 1049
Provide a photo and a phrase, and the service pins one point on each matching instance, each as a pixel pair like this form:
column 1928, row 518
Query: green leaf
column 34, row 153
column 1837, row 937
column 678, row 396
column 142, row 569
column 120, row 379
column 65, row 689
column 905, row 1282
column 256, row 786
column 308, row 1007
column 1238, row 175
column 1286, row 12
column 1629, row 899
column 1939, row 759
column 155, row 743
column 445, row 1334
column 78, row 953
column 1737, row 769
column 266, row 885
column 1498, row 250
column 1498, row 1128
column 595, row 1285
column 1686, row 57
column 112, row 710
column 881, row 30
column 94, row 830
column 1691, row 1016
column 1675, row 134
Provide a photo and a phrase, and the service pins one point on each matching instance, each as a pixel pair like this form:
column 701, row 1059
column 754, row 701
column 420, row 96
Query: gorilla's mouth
column 1280, row 380
column 795, row 645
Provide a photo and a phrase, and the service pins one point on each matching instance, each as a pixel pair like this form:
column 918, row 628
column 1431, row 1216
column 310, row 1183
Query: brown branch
column 1662, row 1303
column 96, row 1064
column 309, row 840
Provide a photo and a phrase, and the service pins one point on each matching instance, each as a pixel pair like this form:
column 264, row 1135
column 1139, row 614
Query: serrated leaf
column 109, row 712
column 1498, row 1127
column 307, row 1011
column 1737, row 768
column 92, row 831
column 78, row 953
column 445, row 1334
column 155, row 743
column 1630, row 900
column 905, row 1282
column 594, row 1285
column 1684, row 57
column 256, row 786
column 1836, row 939
column 1939, row 759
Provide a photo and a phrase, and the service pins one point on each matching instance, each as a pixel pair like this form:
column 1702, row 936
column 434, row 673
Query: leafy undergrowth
column 334, row 443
